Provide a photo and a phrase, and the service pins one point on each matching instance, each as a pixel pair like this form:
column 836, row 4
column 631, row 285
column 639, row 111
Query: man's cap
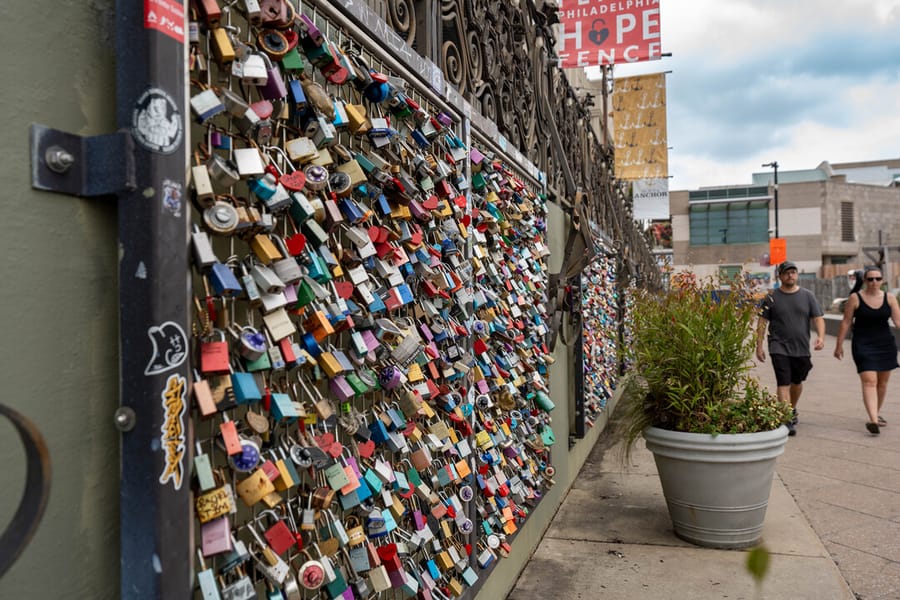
column 785, row 266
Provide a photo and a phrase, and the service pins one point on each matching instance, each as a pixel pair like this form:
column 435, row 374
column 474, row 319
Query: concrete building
column 833, row 218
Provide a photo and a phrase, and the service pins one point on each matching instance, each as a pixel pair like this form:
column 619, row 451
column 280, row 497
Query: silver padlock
column 222, row 171
column 325, row 134
column 235, row 104
column 221, row 218
column 287, row 269
column 249, row 162
column 266, row 279
column 204, row 257
column 252, row 70
column 279, row 324
column 272, row 302
column 207, row 580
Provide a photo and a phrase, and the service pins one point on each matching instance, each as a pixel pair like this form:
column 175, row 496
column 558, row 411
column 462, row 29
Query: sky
column 793, row 81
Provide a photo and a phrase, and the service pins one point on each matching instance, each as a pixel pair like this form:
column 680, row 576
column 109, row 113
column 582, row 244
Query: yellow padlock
column 359, row 122
column 255, row 487
column 213, row 504
column 265, row 249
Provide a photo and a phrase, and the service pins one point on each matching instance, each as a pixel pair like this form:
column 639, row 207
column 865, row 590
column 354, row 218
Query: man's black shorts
column 790, row 369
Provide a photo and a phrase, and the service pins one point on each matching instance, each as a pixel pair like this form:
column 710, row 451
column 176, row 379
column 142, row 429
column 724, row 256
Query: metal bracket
column 81, row 166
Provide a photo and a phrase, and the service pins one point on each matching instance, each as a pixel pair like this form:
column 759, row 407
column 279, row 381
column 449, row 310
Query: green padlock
column 359, row 387
column 293, row 61
column 260, row 364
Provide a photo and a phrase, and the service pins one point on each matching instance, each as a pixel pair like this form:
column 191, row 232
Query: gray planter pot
column 716, row 487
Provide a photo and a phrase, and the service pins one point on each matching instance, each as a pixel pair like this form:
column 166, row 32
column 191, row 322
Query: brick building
column 833, row 218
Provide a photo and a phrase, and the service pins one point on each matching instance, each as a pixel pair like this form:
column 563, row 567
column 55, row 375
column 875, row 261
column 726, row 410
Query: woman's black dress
column 873, row 344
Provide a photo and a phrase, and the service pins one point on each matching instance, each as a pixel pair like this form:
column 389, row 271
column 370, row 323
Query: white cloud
column 796, row 81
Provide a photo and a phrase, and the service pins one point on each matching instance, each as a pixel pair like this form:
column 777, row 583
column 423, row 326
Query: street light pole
column 774, row 165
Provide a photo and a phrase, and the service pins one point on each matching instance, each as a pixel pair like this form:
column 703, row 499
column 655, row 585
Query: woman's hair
column 860, row 275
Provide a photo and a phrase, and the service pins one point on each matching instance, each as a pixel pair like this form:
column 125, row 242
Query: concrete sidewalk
column 832, row 525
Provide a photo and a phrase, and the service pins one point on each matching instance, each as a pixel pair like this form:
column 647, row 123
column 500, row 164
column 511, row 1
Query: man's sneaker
column 794, row 420
column 792, row 429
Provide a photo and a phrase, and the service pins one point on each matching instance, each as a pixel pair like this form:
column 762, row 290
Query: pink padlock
column 215, row 537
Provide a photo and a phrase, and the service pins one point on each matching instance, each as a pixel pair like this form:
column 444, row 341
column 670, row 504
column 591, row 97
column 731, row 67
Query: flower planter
column 716, row 487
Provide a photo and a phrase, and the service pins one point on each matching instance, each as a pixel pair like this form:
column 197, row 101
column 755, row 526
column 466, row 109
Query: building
column 833, row 218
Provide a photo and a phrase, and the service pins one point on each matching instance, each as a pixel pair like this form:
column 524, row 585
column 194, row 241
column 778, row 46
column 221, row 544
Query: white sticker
column 156, row 122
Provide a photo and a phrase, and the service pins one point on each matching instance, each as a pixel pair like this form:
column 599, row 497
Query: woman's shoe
column 882, row 422
column 873, row 428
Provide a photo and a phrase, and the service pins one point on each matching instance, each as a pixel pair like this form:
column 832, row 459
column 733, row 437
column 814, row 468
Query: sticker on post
column 172, row 197
column 169, row 347
column 166, row 16
column 173, row 433
column 156, row 123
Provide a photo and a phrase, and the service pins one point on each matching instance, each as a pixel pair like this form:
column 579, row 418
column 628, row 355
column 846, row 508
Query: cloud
column 799, row 82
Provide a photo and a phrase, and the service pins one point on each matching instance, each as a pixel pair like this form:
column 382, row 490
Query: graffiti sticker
column 156, row 122
column 169, row 348
column 174, row 399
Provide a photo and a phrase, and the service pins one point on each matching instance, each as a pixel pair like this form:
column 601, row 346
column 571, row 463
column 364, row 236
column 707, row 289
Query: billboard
column 639, row 127
column 606, row 32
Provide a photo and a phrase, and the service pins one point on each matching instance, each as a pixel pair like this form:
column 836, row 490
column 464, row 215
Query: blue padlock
column 224, row 282
column 245, row 389
column 263, row 187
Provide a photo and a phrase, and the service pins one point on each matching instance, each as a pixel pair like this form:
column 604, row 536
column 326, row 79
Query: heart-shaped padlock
column 293, row 181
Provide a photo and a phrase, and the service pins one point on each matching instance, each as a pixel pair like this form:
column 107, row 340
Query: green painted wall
column 59, row 302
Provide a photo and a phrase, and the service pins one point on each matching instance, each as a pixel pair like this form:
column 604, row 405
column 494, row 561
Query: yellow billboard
column 639, row 127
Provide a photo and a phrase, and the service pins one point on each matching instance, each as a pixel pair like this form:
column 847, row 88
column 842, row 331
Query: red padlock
column 278, row 536
column 214, row 356
column 296, row 244
column 389, row 557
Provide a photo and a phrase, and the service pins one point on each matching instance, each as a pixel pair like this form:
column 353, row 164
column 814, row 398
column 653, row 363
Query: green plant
column 691, row 352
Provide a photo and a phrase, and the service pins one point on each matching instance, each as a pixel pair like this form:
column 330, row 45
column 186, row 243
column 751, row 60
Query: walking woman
column 873, row 345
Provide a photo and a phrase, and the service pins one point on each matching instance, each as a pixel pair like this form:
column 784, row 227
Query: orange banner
column 639, row 127
column 777, row 251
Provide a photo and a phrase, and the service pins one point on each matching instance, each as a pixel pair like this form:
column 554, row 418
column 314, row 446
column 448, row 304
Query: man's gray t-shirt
column 788, row 316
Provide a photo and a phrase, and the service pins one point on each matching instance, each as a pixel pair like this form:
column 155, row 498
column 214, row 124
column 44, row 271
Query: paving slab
column 832, row 525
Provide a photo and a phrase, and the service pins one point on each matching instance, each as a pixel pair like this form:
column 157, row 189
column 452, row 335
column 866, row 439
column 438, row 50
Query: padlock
column 202, row 251
column 215, row 536
column 249, row 162
column 287, row 269
column 311, row 573
column 214, row 354
column 252, row 70
column 221, row 218
column 265, row 278
column 252, row 489
column 223, row 49
column 206, row 105
column 213, row 504
column 222, row 171
column 251, row 343
column 246, row 391
column 242, row 587
column 273, row 88
column 278, row 536
column 206, row 579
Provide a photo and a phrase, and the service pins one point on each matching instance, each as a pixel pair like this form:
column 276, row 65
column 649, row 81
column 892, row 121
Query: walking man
column 787, row 311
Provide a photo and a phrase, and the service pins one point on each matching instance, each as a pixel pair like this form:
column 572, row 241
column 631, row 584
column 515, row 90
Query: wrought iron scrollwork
column 499, row 56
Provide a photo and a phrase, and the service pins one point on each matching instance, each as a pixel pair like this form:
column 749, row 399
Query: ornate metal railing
column 499, row 56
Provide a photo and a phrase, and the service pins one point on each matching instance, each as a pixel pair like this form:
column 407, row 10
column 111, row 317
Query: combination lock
column 221, row 218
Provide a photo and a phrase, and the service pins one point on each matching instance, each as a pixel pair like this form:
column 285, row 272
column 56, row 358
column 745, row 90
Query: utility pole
column 774, row 165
